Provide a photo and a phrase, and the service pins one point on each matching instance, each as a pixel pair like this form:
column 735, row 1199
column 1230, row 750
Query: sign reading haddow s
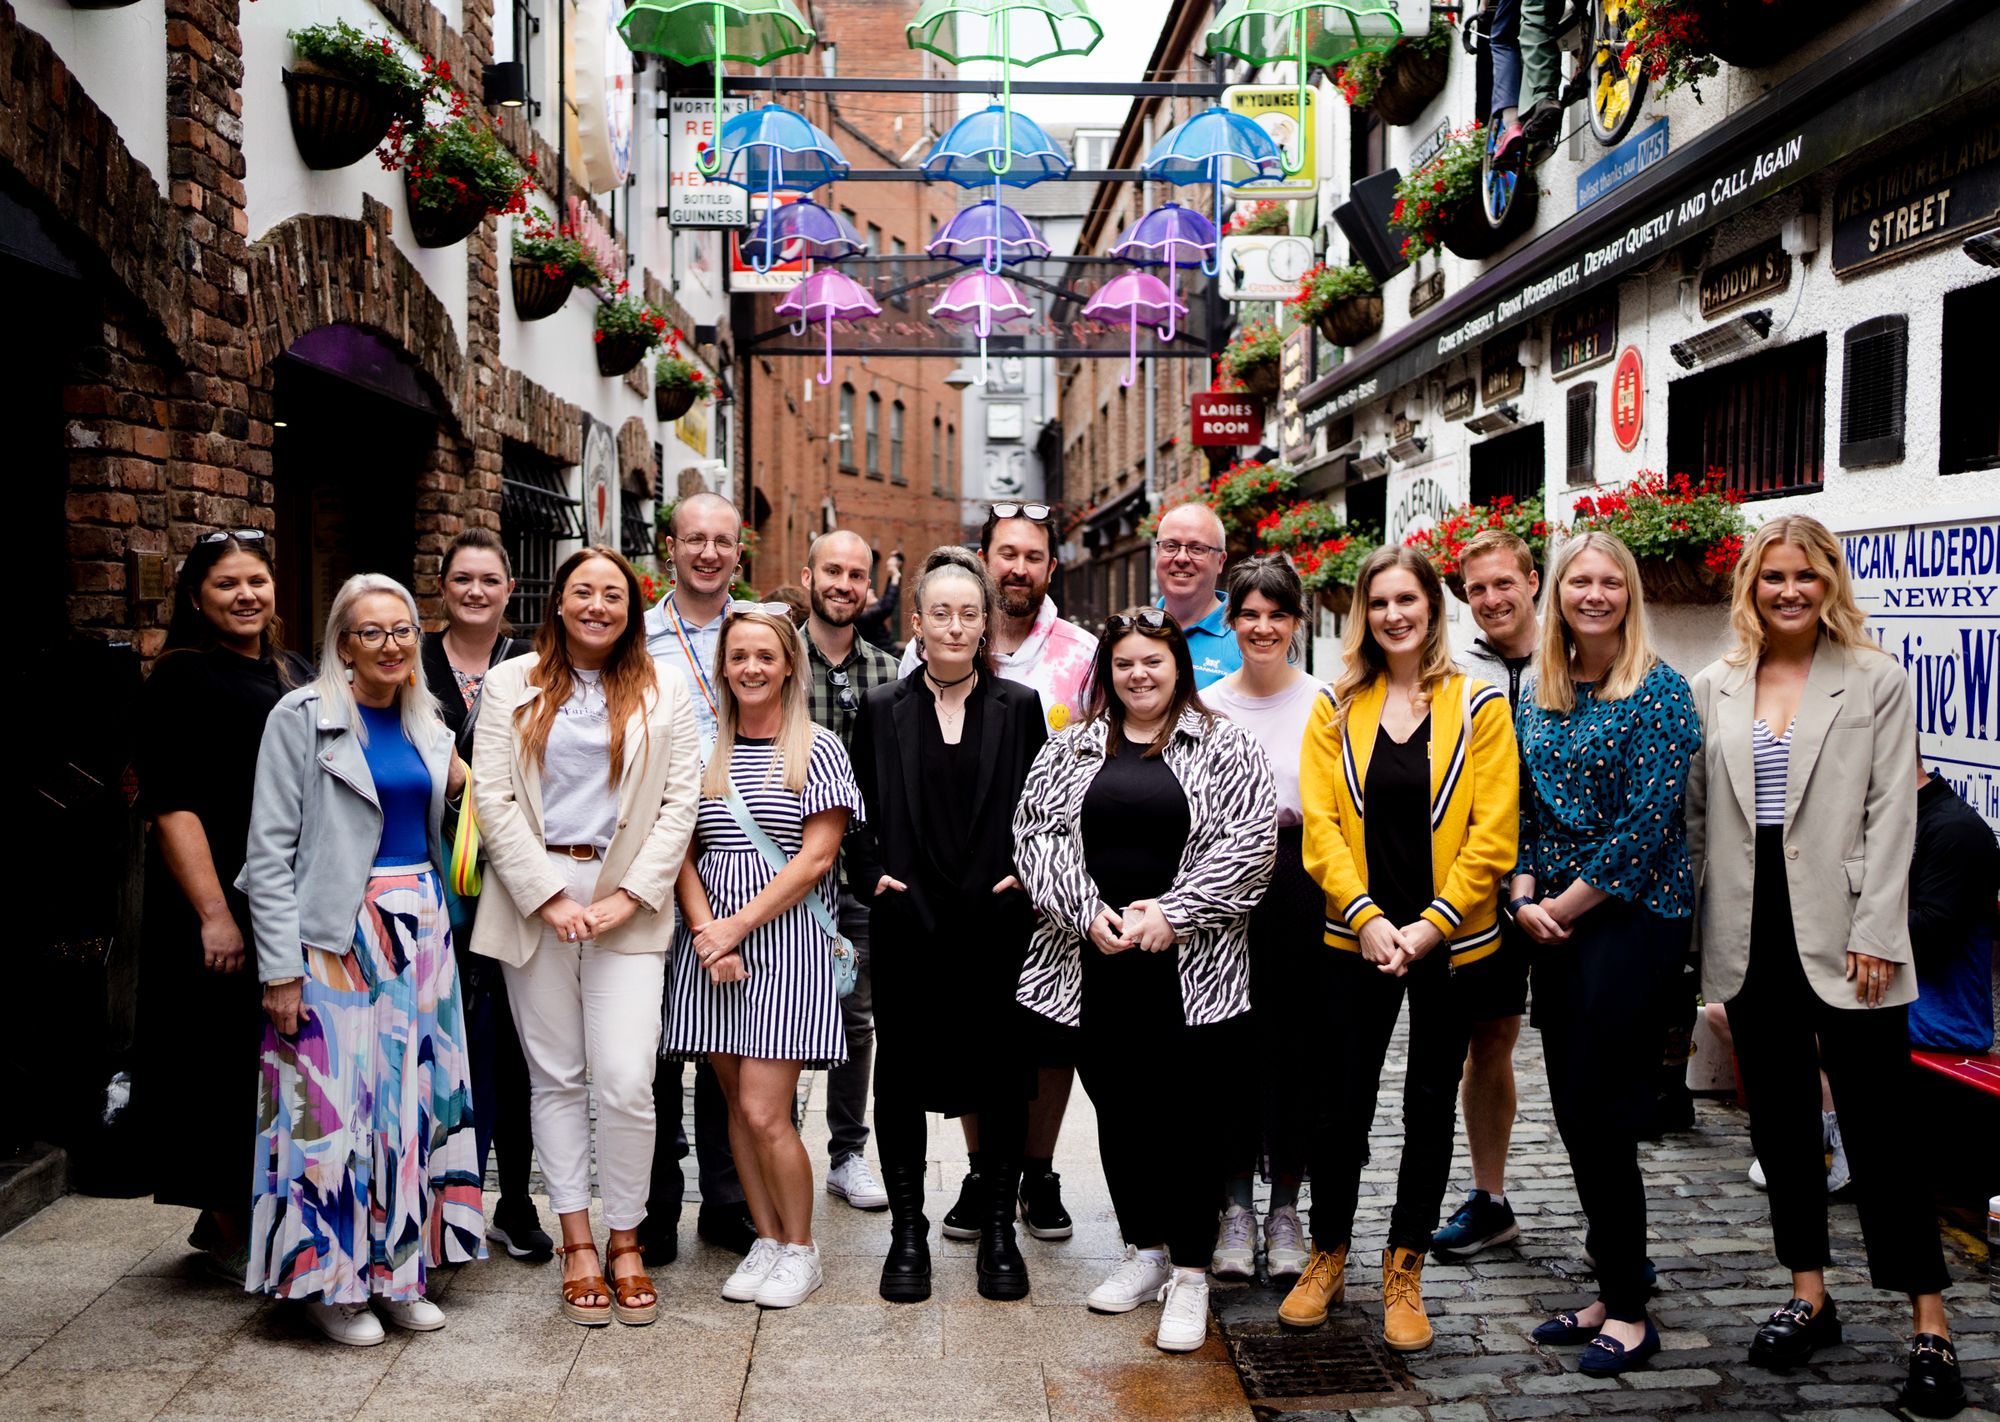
column 1932, row 595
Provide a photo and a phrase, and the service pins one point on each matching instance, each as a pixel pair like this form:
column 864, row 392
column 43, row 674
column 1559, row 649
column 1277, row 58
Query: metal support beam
column 820, row 84
column 963, row 352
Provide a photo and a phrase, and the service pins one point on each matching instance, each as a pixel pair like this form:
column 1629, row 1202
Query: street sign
column 1263, row 268
column 1275, row 109
column 1223, row 421
column 1628, row 399
column 692, row 200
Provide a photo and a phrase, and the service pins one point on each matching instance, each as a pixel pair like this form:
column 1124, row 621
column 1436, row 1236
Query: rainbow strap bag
column 465, row 846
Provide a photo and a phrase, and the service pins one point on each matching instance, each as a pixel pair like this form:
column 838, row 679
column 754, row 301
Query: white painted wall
column 120, row 58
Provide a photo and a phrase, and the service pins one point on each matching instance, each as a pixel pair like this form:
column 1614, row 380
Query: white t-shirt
column 1279, row 724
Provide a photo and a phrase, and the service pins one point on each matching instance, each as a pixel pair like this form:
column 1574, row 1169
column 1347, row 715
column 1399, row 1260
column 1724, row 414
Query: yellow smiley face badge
column 1058, row 716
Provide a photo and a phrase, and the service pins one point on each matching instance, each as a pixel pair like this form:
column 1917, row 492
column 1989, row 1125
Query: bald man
column 683, row 629
column 1188, row 553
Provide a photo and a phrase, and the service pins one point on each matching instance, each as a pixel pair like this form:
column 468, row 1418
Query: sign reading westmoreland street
column 1928, row 193
column 1763, row 271
column 1225, row 421
column 692, row 200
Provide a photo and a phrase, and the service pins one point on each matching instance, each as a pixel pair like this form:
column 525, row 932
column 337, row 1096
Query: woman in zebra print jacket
column 1145, row 836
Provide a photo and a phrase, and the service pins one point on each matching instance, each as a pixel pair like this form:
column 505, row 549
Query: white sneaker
column 793, row 1278
column 855, row 1183
column 742, row 1286
column 1134, row 1281
column 1757, row 1175
column 1235, row 1254
column 1838, row 1173
column 1184, row 1316
column 1285, row 1251
column 351, row 1324
column 417, row 1316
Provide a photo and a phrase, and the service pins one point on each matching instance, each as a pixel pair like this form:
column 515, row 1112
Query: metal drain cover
column 1343, row 1364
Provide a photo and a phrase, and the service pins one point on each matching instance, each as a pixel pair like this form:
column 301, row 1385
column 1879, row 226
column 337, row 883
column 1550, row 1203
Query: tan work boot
column 1324, row 1282
column 1404, row 1325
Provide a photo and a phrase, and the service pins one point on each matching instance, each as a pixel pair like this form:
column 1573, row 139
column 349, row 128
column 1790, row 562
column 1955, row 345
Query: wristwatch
column 1514, row 907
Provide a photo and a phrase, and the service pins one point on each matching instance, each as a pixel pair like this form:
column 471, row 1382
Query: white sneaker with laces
column 1285, row 1252
column 416, row 1316
column 793, row 1278
column 855, row 1183
column 351, row 1324
column 1136, row 1280
column 742, row 1286
column 1235, row 1254
column 1184, row 1315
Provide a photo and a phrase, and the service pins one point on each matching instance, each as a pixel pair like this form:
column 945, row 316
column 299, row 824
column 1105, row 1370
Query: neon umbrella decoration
column 1020, row 32
column 827, row 296
column 792, row 230
column 967, row 154
column 772, row 148
column 712, row 31
column 981, row 300
column 1154, row 238
column 1133, row 300
column 1211, row 143
column 1308, row 32
column 988, row 232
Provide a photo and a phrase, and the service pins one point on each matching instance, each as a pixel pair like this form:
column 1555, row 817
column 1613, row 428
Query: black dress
column 201, row 719
column 1135, row 827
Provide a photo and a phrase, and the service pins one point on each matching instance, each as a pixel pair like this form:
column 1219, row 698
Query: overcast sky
column 1131, row 30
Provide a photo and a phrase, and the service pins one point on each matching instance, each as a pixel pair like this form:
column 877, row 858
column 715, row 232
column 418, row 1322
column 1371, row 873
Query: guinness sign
column 1748, row 276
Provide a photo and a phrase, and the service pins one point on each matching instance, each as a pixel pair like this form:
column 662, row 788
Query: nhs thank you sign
column 1932, row 595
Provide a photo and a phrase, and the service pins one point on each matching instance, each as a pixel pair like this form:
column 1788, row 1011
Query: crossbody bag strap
column 775, row 857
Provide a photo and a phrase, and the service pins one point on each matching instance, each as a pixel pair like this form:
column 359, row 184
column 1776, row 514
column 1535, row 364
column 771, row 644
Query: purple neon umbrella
column 1154, row 239
column 791, row 230
column 982, row 301
column 1134, row 300
column 990, row 233
column 827, row 297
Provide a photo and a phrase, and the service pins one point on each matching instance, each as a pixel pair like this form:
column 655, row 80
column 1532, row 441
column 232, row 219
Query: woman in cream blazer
column 1801, row 820
column 585, row 773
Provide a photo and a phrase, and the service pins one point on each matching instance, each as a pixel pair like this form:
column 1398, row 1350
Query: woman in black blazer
column 941, row 756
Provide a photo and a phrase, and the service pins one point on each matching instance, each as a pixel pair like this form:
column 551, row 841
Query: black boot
column 906, row 1270
column 1003, row 1273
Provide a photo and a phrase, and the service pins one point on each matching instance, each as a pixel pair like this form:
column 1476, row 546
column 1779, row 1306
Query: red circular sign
column 1628, row 399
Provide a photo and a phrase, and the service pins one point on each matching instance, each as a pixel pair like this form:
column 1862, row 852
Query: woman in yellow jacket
column 1411, row 789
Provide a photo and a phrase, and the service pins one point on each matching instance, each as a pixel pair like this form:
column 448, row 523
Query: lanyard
column 687, row 649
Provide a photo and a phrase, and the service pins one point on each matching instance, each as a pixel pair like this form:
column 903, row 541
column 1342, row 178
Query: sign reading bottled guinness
column 1748, row 276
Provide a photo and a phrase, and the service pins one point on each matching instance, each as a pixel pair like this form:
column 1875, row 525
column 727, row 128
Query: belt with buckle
column 574, row 851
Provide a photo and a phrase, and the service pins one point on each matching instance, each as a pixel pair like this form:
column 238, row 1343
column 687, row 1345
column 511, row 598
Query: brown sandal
column 595, row 1315
column 624, row 1290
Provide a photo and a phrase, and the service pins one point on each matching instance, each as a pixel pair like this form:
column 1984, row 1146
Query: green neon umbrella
column 712, row 31
column 1309, row 32
column 1013, row 32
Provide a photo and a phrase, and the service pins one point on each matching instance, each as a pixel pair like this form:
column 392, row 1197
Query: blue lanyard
column 687, row 649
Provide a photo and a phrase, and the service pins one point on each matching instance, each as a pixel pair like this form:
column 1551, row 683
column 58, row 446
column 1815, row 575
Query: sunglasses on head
column 1034, row 513
column 738, row 606
column 1146, row 619
column 240, row 535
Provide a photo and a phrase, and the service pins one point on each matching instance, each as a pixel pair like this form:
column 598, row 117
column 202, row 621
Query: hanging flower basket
column 537, row 295
column 337, row 121
column 670, row 402
column 1466, row 232
column 1682, row 581
column 1685, row 534
column 1351, row 319
column 1337, row 598
column 446, row 224
column 1260, row 378
column 1411, row 78
column 619, row 351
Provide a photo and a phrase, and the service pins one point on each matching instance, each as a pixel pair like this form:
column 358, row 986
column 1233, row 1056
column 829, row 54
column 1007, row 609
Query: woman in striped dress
column 753, row 986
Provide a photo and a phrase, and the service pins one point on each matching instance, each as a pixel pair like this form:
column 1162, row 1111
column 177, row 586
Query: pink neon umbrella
column 983, row 301
column 827, row 296
column 1133, row 300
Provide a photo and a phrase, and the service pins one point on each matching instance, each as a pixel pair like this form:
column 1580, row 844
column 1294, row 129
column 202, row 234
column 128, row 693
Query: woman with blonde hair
column 1607, row 734
column 1411, row 794
column 753, row 985
column 586, row 764
column 1802, row 819
column 366, row 1176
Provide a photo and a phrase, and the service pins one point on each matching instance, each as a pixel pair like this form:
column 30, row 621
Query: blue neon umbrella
column 1213, row 143
column 967, row 154
column 771, row 148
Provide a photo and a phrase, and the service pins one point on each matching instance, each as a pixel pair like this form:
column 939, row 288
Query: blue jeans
column 847, row 1084
column 1523, row 45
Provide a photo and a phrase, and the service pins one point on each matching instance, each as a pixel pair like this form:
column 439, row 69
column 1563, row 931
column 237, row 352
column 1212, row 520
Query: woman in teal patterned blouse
column 1607, row 732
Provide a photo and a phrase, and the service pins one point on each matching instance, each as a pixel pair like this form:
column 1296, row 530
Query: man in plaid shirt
column 838, row 579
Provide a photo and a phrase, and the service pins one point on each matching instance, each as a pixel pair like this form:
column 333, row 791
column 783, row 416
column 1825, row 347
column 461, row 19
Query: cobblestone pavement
column 103, row 1315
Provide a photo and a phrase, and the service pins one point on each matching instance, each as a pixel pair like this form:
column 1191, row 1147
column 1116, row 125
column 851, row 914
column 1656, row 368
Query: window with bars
column 1761, row 421
column 537, row 516
column 1874, row 375
column 1969, row 434
column 847, row 428
column 1580, row 443
column 874, row 435
column 896, row 444
column 635, row 523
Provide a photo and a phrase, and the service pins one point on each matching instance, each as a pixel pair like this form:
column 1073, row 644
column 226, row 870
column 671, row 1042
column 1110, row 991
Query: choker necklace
column 931, row 677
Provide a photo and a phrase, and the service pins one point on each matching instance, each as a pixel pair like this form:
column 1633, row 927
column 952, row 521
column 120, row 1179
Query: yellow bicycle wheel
column 1618, row 86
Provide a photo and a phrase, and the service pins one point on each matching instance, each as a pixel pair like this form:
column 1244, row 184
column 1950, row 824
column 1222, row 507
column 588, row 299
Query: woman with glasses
column 753, row 984
column 366, row 1174
column 1411, row 789
column 202, row 716
column 1147, row 835
column 941, row 756
column 585, row 766
column 476, row 581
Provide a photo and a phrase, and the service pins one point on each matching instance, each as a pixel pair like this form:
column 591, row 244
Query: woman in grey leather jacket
column 366, row 1174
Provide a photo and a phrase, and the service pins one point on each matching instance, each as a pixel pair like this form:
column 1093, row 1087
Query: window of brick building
column 874, row 435
column 1762, row 421
column 847, row 428
column 1969, row 434
column 896, row 444
column 937, row 454
column 537, row 516
column 951, row 459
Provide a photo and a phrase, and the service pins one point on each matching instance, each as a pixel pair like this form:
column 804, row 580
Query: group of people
column 711, row 834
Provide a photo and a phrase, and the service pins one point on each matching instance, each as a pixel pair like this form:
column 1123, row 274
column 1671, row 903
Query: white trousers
column 590, row 1018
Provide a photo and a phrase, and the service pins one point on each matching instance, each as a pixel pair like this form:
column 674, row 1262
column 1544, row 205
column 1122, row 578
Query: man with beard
column 842, row 668
column 1033, row 645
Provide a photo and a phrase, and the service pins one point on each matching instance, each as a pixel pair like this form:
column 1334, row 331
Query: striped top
column 1771, row 755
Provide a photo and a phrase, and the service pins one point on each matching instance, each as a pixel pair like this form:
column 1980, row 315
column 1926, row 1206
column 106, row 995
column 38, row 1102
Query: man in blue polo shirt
column 1188, row 552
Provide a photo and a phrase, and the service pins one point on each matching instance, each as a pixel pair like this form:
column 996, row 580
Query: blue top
column 1604, row 796
column 1953, row 878
column 402, row 786
column 1212, row 645
column 674, row 646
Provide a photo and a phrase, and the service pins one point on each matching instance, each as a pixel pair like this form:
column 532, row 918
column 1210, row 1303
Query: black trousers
column 1597, row 1003
column 500, row 1119
column 1785, row 1032
column 1440, row 1030
column 901, row 1137
column 1287, row 966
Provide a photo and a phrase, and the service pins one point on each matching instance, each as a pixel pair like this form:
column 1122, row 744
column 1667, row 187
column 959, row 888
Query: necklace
column 931, row 677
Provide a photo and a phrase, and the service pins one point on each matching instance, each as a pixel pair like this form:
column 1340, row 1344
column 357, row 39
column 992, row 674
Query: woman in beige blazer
column 1802, row 816
column 586, row 768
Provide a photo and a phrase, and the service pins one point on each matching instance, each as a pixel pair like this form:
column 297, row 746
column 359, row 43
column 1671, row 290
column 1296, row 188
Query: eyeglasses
column 1146, row 619
column 837, row 679
column 240, row 535
column 738, row 606
column 1172, row 548
column 701, row 541
column 945, row 617
column 1034, row 513
column 373, row 637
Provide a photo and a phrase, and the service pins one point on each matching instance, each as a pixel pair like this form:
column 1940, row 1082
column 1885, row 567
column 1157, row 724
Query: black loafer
column 1935, row 1388
column 1794, row 1333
